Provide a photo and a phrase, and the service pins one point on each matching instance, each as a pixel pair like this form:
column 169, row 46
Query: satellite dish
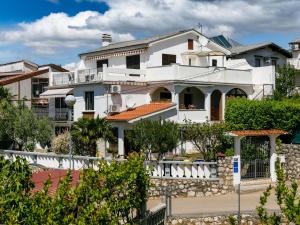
column 130, row 103
column 203, row 41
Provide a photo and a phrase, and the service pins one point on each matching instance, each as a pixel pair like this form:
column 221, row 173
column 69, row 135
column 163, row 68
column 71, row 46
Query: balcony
column 160, row 73
column 199, row 74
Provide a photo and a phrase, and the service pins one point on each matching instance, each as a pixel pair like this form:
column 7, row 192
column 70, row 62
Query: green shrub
column 243, row 114
column 229, row 152
column 61, row 143
column 111, row 195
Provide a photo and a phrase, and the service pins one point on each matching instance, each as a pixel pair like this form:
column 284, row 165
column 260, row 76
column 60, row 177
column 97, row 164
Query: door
column 216, row 106
column 255, row 158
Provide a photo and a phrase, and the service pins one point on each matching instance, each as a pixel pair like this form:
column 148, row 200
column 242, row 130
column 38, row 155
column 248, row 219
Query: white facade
column 198, row 83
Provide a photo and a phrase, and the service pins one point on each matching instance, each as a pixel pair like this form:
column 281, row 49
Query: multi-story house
column 26, row 81
column 295, row 48
column 180, row 76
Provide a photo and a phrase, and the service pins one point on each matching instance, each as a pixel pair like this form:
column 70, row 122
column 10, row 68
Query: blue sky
column 56, row 31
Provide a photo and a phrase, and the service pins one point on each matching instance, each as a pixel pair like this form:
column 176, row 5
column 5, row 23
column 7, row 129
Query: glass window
column 190, row 44
column 39, row 86
column 60, row 103
column 214, row 62
column 89, row 100
column 133, row 62
column 168, row 59
column 257, row 62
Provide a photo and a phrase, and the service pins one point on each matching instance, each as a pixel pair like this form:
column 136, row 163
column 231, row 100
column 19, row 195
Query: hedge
column 244, row 114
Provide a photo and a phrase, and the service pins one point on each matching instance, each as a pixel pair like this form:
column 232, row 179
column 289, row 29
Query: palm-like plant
column 86, row 132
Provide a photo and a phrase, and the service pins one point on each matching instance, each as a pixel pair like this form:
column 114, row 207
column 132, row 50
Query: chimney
column 106, row 39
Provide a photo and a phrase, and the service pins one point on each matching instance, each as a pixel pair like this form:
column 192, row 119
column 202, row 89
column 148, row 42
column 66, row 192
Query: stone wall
column 197, row 187
column 292, row 160
column 246, row 219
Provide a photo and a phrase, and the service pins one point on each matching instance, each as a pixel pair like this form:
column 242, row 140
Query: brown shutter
column 190, row 44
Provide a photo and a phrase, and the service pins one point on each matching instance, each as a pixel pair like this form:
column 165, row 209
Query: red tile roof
column 257, row 132
column 140, row 111
column 20, row 77
column 40, row 177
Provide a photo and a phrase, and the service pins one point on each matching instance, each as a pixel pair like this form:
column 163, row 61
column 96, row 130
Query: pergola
column 238, row 135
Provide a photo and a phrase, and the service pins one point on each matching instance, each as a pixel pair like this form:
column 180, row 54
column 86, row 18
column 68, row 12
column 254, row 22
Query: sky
column 56, row 31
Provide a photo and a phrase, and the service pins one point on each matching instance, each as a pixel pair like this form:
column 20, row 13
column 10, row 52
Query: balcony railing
column 160, row 73
column 41, row 112
column 65, row 78
column 62, row 114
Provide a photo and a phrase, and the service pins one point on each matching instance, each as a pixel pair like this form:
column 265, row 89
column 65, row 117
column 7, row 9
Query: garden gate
column 255, row 158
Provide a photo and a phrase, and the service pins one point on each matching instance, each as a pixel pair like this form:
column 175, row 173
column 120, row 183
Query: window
column 168, row 59
column 274, row 62
column 188, row 100
column 60, row 103
column 89, row 100
column 190, row 44
column 39, row 86
column 100, row 64
column 214, row 62
column 133, row 62
column 257, row 62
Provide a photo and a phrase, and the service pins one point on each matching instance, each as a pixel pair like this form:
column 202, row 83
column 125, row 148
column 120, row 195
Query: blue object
column 235, row 166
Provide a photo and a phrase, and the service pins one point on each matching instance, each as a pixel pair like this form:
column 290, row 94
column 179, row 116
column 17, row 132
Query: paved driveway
column 223, row 204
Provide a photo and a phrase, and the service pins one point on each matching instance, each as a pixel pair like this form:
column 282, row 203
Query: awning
column 56, row 93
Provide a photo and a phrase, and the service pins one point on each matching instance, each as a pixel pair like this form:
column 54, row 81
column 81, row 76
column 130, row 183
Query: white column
column 207, row 105
column 121, row 150
column 273, row 157
column 237, row 161
column 223, row 105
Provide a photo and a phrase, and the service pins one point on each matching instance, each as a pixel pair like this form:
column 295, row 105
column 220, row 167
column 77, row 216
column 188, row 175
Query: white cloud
column 134, row 18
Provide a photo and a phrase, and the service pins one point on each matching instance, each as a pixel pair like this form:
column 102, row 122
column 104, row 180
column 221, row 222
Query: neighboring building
column 26, row 81
column 256, row 55
column 180, row 76
column 295, row 48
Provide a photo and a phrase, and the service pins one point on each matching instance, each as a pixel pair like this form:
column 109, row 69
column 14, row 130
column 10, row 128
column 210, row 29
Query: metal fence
column 155, row 216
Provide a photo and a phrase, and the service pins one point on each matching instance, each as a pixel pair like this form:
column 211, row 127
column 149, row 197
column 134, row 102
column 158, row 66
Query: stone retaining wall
column 197, row 187
column 211, row 220
column 292, row 160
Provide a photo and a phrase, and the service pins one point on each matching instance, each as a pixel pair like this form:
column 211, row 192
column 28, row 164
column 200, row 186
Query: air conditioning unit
column 115, row 108
column 115, row 89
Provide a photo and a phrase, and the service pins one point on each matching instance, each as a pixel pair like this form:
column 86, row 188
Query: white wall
column 21, row 90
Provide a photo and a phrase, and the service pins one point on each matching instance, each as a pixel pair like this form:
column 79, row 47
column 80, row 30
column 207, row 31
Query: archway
column 216, row 105
column 191, row 98
column 236, row 92
column 161, row 95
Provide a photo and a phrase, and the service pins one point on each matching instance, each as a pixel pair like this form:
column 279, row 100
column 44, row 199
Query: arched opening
column 236, row 92
column 216, row 105
column 161, row 95
column 191, row 98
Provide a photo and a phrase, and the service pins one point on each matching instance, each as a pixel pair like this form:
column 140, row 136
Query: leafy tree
column 5, row 94
column 86, row 132
column 110, row 195
column 60, row 144
column 285, row 81
column 154, row 136
column 205, row 137
column 18, row 124
column 287, row 199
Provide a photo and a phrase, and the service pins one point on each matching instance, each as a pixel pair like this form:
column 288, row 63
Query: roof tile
column 140, row 111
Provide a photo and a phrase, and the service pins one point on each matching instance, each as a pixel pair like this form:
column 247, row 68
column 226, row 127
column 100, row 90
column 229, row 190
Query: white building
column 26, row 81
column 180, row 76
column 295, row 48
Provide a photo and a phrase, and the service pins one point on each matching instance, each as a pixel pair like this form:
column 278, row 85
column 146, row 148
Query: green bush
column 111, row 195
column 243, row 114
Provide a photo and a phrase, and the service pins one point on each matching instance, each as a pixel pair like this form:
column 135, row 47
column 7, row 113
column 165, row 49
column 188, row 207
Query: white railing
column 181, row 169
column 161, row 169
column 89, row 75
column 63, row 78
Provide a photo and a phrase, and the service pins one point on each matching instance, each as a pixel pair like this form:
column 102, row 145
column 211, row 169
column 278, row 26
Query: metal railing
column 156, row 216
column 160, row 169
column 41, row 112
column 63, row 78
